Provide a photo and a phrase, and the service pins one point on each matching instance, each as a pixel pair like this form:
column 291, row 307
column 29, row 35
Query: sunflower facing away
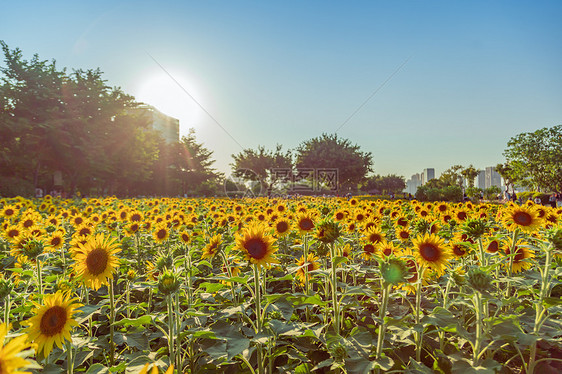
column 313, row 264
column 10, row 361
column 430, row 251
column 212, row 248
column 52, row 322
column 257, row 245
column 96, row 260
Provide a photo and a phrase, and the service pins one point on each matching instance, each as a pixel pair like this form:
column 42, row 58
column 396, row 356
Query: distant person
column 552, row 200
column 514, row 197
column 538, row 200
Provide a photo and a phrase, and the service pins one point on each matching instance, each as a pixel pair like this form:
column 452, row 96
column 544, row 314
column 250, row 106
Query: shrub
column 12, row 187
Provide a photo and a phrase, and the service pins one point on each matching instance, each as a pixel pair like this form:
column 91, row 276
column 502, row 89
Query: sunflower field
column 310, row 285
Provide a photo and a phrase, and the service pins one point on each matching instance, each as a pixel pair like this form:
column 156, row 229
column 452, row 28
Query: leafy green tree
column 452, row 176
column 329, row 151
column 508, row 175
column 536, row 158
column 389, row 184
column 469, row 174
column 261, row 161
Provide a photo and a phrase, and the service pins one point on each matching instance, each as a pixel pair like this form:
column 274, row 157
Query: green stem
column 179, row 363
column 418, row 335
column 111, row 324
column 40, row 278
column 478, row 310
column 483, row 258
column 335, row 290
column 510, row 268
column 257, row 299
column 170, row 329
column 539, row 308
column 382, row 314
column 69, row 357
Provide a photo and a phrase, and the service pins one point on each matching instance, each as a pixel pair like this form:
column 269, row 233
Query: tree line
column 100, row 140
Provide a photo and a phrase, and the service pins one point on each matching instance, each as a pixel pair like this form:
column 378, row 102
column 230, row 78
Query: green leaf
column 144, row 320
column 87, row 312
column 135, row 340
column 415, row 367
column 303, row 369
column 97, row 369
column 302, row 300
column 212, row 287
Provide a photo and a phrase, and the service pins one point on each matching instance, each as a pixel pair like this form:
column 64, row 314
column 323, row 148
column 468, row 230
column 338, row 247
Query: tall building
column 168, row 126
column 492, row 177
column 480, row 179
column 428, row 174
column 413, row 183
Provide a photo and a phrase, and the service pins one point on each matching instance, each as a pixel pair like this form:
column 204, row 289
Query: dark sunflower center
column 387, row 251
column 522, row 218
column 339, row 216
column 375, row 238
column 306, row 224
column 493, row 247
column 360, row 217
column 135, row 217
column 53, row 321
column 404, row 234
column 161, row 234
column 28, row 223
column 519, row 255
column 461, row 216
column 429, row 252
column 9, row 212
column 85, row 231
column 13, row 233
column 458, row 250
column 55, row 241
column 402, row 222
column 78, row 220
column 369, row 248
column 184, row 237
column 256, row 248
column 282, row 227
column 97, row 261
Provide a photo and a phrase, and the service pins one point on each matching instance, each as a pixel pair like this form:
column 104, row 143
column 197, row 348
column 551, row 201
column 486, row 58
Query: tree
column 261, row 161
column 506, row 172
column 389, row 184
column 536, row 158
column 469, row 174
column 329, row 151
column 452, row 176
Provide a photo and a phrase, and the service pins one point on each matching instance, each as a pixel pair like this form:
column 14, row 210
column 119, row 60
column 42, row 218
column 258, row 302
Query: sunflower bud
column 327, row 231
column 168, row 283
column 131, row 275
column 474, row 228
column 394, row 271
column 479, row 280
column 163, row 262
column 554, row 236
column 5, row 288
column 33, row 248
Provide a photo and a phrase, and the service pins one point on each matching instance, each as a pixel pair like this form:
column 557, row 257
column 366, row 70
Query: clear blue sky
column 479, row 72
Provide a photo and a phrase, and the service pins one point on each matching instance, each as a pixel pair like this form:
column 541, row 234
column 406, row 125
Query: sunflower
column 160, row 233
column 430, row 251
column 10, row 360
column 305, row 222
column 523, row 217
column 313, row 264
column 522, row 253
column 184, row 237
column 212, row 248
column 52, row 321
column 374, row 235
column 282, row 227
column 403, row 234
column 386, row 248
column 257, row 245
column 56, row 240
column 96, row 260
column 8, row 211
column 491, row 244
column 12, row 232
column 368, row 251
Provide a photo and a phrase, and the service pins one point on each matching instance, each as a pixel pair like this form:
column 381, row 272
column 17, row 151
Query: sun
column 167, row 93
